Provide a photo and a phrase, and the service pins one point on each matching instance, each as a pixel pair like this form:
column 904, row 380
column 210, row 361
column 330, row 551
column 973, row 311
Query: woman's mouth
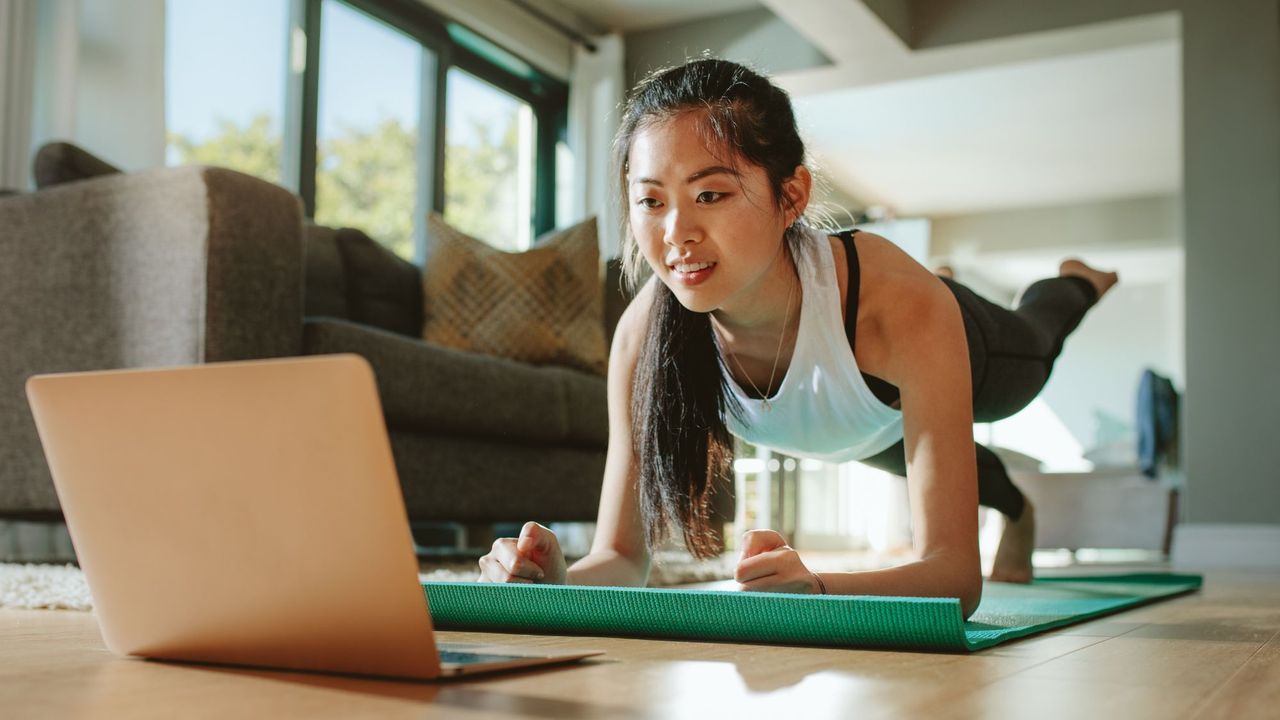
column 693, row 273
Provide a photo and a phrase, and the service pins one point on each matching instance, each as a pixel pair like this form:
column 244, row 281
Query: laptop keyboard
column 470, row 658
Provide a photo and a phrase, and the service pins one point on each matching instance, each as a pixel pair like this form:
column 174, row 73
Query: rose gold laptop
column 247, row 513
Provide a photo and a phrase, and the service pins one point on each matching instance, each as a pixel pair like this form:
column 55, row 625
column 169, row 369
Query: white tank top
column 823, row 408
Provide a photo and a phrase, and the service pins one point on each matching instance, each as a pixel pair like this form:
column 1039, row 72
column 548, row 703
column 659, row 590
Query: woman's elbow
column 970, row 596
column 959, row 575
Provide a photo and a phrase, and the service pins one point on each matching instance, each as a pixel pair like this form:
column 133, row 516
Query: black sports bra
column 885, row 392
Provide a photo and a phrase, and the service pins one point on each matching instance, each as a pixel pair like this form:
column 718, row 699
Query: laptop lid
column 245, row 513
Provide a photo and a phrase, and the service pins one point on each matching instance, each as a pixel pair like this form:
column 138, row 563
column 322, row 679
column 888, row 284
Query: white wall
column 1232, row 150
column 100, row 78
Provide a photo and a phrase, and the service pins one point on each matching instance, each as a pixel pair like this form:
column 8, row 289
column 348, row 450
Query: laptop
column 247, row 513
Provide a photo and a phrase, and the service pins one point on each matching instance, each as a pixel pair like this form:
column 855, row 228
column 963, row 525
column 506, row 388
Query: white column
column 17, row 75
column 595, row 95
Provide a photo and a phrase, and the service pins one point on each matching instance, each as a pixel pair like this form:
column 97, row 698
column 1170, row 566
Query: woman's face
column 711, row 232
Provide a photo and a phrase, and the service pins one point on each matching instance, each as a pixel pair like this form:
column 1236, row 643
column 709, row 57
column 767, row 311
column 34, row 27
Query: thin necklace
column 764, row 396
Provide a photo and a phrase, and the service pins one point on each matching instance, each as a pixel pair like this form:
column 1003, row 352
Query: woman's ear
column 796, row 191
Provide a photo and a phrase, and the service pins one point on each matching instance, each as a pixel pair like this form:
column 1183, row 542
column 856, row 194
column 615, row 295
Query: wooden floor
column 1212, row 654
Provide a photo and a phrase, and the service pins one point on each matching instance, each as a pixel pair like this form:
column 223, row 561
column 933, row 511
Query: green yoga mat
column 1007, row 611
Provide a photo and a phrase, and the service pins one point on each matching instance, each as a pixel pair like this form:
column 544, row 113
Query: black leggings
column 1011, row 353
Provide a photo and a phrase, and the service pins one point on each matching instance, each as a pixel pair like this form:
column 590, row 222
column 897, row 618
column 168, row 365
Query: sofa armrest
column 169, row 266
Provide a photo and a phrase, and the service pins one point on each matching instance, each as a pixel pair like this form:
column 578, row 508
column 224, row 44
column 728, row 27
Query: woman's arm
column 618, row 554
column 928, row 358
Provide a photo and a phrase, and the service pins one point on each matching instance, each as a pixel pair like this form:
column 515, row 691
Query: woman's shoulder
column 895, row 291
column 634, row 322
column 888, row 272
column 885, row 271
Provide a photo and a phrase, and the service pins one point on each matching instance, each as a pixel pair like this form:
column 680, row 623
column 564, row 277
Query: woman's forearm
column 938, row 576
column 607, row 567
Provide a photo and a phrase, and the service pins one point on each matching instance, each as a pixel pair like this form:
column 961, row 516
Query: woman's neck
column 769, row 311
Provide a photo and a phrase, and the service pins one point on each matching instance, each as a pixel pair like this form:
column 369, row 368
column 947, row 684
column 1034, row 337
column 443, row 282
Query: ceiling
column 629, row 15
column 1063, row 130
column 1086, row 113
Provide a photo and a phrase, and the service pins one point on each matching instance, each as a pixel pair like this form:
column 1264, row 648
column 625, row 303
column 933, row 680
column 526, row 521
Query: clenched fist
column 534, row 557
column 768, row 564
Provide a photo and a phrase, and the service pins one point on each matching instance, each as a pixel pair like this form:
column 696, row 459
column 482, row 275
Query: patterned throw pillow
column 543, row 306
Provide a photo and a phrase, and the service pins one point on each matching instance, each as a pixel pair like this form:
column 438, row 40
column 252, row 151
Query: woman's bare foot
column 944, row 271
column 1102, row 281
column 1013, row 556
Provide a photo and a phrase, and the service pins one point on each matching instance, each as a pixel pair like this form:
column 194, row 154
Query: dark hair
column 679, row 392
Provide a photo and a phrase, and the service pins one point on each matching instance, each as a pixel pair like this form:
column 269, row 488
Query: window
column 489, row 163
column 367, row 135
column 224, row 84
column 374, row 111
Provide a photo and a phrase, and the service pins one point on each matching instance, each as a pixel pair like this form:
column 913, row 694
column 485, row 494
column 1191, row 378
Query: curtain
column 596, row 90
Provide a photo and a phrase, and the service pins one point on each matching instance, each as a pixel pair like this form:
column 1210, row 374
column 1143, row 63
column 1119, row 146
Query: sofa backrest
column 352, row 277
column 324, row 287
column 61, row 162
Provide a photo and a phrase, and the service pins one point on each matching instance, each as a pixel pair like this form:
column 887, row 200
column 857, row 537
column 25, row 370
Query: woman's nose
column 681, row 229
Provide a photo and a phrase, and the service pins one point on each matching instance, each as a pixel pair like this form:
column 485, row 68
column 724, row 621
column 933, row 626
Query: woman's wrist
column 606, row 568
column 822, row 586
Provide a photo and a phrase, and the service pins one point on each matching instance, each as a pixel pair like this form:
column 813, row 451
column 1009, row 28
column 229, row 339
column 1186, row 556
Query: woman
column 833, row 347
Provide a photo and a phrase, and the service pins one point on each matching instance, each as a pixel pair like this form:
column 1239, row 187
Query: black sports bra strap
column 884, row 391
column 855, row 283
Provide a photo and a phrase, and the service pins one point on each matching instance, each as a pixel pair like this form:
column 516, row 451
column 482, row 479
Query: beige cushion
column 543, row 306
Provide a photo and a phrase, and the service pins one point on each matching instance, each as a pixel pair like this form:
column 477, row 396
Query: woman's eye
column 648, row 202
column 709, row 196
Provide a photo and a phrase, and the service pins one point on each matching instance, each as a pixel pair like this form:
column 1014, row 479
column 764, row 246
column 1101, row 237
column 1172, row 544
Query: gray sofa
column 476, row 438
column 195, row 264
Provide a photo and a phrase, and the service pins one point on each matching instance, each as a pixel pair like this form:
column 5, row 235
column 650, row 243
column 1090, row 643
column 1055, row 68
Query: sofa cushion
column 466, row 479
column 543, row 306
column 429, row 387
column 325, row 286
column 61, row 162
column 383, row 289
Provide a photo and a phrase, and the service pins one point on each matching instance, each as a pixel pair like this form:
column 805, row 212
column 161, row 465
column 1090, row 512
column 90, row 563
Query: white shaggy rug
column 63, row 587
column 59, row 587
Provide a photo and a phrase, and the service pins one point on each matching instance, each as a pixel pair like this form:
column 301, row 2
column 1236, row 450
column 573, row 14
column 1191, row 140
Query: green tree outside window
column 365, row 178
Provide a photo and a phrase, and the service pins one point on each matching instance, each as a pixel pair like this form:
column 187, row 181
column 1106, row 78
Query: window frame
column 547, row 96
